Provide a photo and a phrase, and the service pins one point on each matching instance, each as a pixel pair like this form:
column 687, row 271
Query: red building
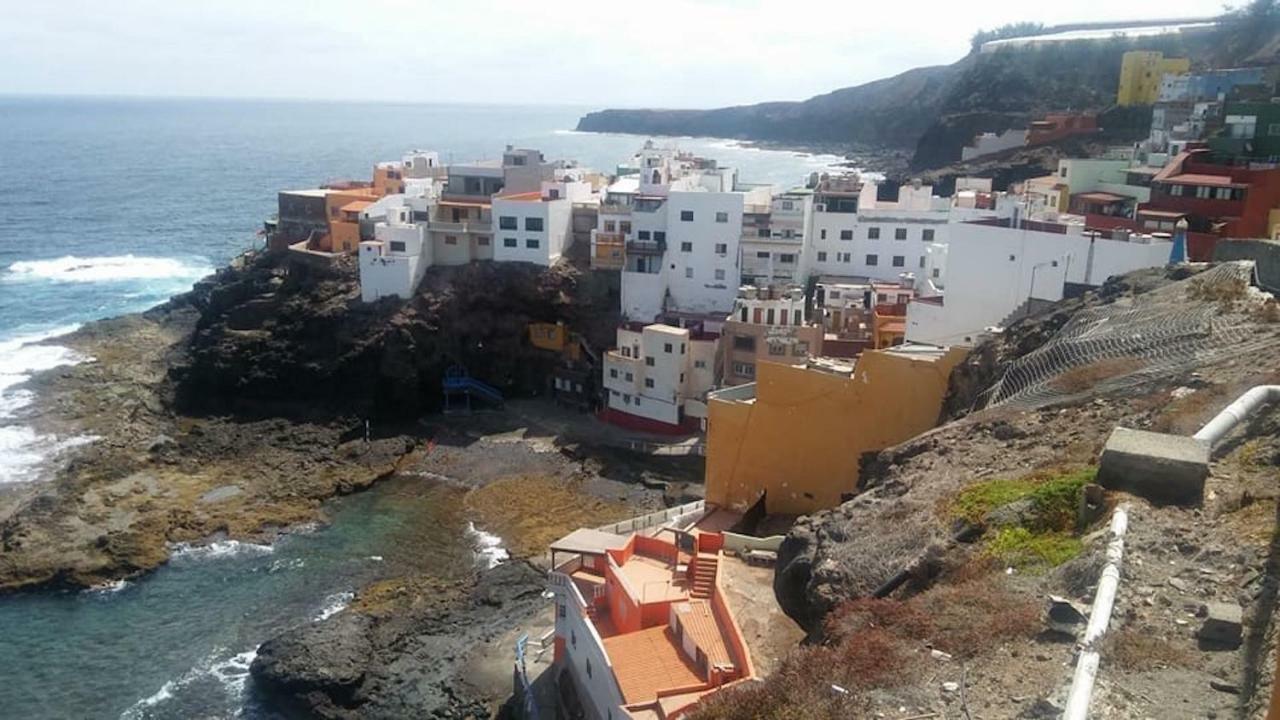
column 1056, row 126
column 1225, row 200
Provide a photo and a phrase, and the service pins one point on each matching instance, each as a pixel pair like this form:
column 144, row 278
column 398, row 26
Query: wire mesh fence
column 1138, row 340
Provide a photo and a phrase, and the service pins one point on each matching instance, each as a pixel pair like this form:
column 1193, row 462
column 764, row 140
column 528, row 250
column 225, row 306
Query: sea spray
column 488, row 547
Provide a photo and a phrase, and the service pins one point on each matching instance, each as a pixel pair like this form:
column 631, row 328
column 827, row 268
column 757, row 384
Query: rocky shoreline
column 232, row 413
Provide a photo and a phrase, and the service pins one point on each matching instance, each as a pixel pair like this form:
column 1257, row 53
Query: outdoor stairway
column 704, row 575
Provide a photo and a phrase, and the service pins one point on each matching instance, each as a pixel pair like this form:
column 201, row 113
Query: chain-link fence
column 1133, row 341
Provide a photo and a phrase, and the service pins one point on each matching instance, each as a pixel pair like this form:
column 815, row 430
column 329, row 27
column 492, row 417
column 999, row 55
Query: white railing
column 680, row 513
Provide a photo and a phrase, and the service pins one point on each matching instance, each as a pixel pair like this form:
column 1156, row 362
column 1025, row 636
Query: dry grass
column 1136, row 651
column 529, row 512
column 880, row 644
column 1085, row 377
column 1225, row 291
column 1185, row 415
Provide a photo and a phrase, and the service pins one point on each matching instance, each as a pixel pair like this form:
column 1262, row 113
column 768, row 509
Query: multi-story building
column 993, row 274
column 536, row 226
column 393, row 263
column 1141, row 72
column 657, row 377
column 768, row 324
column 684, row 257
column 643, row 626
column 613, row 229
column 774, row 238
column 1227, row 200
column 856, row 235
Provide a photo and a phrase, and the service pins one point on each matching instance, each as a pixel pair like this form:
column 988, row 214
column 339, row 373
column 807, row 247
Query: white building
column 989, row 143
column 993, row 272
column 393, row 263
column 658, row 376
column 774, row 238
column 536, row 227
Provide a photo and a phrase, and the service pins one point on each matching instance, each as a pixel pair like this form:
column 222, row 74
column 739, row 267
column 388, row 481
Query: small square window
column 900, row 234
column 822, row 256
column 532, row 224
column 648, row 360
column 642, row 235
column 873, row 233
column 873, row 260
column 822, row 234
column 722, row 217
column 613, row 372
column 688, row 272
column 719, row 274
column 722, row 248
column 532, row 244
column 846, row 234
column 667, row 348
column 899, row 261
column 648, row 382
column 686, row 247
column 926, row 234
column 686, row 216
column 510, row 242
column 507, row 222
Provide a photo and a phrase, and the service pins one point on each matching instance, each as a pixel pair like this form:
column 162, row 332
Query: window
column 926, row 234
column 882, row 298
column 777, row 349
column 900, row 234
column 648, row 382
column 624, row 227
column 834, row 295
column 921, row 261
column 873, row 260
column 722, row 217
column 769, row 316
column 507, row 222
column 899, row 261
column 1202, row 191
column 686, row 247
column 681, row 348
column 631, row 377
column 719, row 274
column 742, row 317
column 722, row 248
column 822, row 256
column 846, row 257
column 609, row 225
column 873, row 233
column 613, row 373
column 483, row 241
column 787, row 258
column 796, row 314
column 648, row 360
column 666, row 348
column 643, row 235
column 626, row 398
column 699, row 364
column 532, row 224
column 788, row 205
column 573, row 638
column 659, row 236
column 560, row 610
column 936, row 273
column 744, row 342
column 688, row 272
column 450, row 240
column 822, row 233
column 846, row 234
column 531, row 244
column 746, row 370
column 397, row 246
column 637, row 401
column 510, row 242
column 686, row 216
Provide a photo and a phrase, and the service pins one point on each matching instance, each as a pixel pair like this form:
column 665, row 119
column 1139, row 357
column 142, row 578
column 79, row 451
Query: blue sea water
column 109, row 206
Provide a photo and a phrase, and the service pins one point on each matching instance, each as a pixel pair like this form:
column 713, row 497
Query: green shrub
column 1024, row 549
column 1054, row 498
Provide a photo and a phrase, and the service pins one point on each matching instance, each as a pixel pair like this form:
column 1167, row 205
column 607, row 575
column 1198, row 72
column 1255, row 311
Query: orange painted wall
column 802, row 438
column 623, row 611
column 340, row 231
column 383, row 182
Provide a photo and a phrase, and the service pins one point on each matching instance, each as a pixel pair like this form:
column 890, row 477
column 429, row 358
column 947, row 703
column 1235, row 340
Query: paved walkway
column 575, row 426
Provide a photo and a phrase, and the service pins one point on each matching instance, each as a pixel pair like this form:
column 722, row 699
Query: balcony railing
column 646, row 247
column 460, row 227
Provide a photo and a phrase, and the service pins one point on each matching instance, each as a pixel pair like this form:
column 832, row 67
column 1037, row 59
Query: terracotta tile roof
column 1200, row 179
column 523, row 197
column 647, row 661
column 355, row 206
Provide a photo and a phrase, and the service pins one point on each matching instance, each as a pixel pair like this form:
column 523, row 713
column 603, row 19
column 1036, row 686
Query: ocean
column 111, row 206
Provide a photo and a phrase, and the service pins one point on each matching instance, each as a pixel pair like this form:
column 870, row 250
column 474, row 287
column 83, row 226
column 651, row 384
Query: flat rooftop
column 647, row 661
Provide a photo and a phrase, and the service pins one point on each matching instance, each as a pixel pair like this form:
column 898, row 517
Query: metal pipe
column 1237, row 412
column 1099, row 617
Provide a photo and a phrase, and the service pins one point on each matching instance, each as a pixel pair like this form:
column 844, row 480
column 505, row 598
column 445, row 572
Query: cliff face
column 934, row 111
column 272, row 340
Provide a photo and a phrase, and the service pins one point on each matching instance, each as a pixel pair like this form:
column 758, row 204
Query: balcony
column 460, row 227
column 646, row 247
column 614, row 209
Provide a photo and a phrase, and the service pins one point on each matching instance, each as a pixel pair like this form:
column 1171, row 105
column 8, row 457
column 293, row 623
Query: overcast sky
column 663, row 53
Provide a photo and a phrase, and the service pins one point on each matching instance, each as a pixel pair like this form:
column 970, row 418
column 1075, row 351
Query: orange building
column 643, row 626
column 388, row 179
column 343, row 209
column 797, row 434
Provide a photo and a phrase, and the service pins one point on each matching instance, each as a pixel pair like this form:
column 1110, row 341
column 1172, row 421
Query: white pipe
column 1237, row 412
column 1099, row 617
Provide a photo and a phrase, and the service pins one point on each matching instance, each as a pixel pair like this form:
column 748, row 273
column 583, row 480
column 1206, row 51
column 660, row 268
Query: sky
column 647, row 53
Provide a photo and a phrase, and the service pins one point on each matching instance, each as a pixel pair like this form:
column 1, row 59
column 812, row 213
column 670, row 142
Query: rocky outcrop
column 285, row 341
column 409, row 663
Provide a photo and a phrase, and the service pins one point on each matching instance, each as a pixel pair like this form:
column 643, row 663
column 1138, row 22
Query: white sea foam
column 333, row 605
column 109, row 588
column 230, row 672
column 114, row 268
column 22, row 450
column 218, row 550
column 488, row 547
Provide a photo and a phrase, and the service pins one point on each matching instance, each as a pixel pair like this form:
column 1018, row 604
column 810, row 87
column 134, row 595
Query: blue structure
column 1208, row 85
column 457, row 381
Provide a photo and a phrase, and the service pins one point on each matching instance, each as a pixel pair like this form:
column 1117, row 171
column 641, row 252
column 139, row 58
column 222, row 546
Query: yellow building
column 799, row 433
column 1140, row 75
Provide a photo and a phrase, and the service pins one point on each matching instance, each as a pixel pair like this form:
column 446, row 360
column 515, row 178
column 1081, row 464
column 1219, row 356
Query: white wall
column 582, row 646
column 988, row 143
column 385, row 272
column 715, row 275
column 990, row 271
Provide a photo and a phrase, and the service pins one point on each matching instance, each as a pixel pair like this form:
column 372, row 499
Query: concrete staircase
column 704, row 575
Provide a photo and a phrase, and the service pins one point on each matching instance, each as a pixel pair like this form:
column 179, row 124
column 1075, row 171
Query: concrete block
column 1161, row 468
column 1223, row 625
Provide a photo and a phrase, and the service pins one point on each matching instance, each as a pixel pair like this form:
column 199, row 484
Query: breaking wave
column 70, row 268
column 218, row 550
column 488, row 547
column 232, row 673
column 333, row 605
